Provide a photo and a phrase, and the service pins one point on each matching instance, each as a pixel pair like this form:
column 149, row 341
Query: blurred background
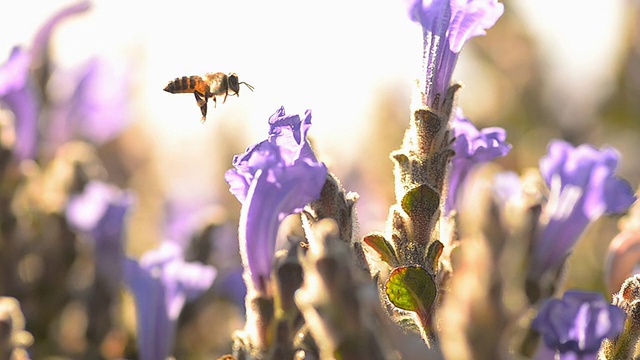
column 547, row 69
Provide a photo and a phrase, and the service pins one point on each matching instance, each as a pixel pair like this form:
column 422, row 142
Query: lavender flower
column 98, row 109
column 471, row 147
column 100, row 211
column 446, row 26
column 577, row 324
column 161, row 283
column 583, row 187
column 273, row 179
column 18, row 90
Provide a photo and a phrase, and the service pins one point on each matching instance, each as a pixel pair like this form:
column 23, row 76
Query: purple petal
column 17, row 91
column 14, row 73
column 41, row 40
column 161, row 283
column 259, row 156
column 270, row 203
column 579, row 322
column 100, row 211
column 618, row 195
column 583, row 188
column 446, row 26
column 471, row 18
column 155, row 331
column 21, row 98
column 472, row 147
column 100, row 107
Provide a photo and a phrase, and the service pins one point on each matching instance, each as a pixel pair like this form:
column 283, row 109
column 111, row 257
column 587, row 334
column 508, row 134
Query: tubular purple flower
column 446, row 26
column 100, row 211
column 577, row 324
column 582, row 188
column 98, row 109
column 273, row 179
column 471, row 147
column 161, row 283
column 17, row 89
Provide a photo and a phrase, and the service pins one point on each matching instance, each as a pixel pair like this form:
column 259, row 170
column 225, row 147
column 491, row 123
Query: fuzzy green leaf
column 378, row 243
column 421, row 200
column 411, row 288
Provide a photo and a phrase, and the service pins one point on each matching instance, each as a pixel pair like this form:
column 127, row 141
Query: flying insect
column 208, row 86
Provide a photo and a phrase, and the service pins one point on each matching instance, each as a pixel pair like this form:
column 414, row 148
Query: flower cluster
column 472, row 259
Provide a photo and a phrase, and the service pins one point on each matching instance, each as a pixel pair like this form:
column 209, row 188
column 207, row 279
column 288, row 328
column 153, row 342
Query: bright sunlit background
column 339, row 58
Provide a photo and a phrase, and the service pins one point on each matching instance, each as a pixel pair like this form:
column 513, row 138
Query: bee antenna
column 247, row 85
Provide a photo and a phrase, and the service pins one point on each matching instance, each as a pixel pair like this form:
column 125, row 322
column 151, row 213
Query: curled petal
column 41, row 40
column 471, row 18
column 431, row 14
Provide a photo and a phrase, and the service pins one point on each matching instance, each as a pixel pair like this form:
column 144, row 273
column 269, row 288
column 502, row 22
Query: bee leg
column 202, row 103
column 225, row 97
column 214, row 101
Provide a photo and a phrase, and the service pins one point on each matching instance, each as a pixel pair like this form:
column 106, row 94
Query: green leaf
column 378, row 243
column 433, row 253
column 411, row 288
column 421, row 200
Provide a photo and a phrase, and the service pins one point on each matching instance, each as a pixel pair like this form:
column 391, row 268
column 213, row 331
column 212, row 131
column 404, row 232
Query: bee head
column 234, row 85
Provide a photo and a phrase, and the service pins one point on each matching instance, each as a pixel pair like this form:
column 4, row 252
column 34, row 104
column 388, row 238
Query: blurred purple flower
column 17, row 88
column 273, row 179
column 446, row 26
column 100, row 212
column 582, row 188
column 98, row 108
column 471, row 147
column 577, row 324
column 161, row 283
column 18, row 93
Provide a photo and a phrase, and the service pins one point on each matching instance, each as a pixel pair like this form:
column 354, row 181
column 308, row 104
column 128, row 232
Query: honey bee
column 208, row 86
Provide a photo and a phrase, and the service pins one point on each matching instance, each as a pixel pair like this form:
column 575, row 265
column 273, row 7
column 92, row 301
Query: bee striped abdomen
column 185, row 84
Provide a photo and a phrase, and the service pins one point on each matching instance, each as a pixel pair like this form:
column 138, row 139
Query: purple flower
column 17, row 92
column 471, row 147
column 446, row 26
column 161, row 283
column 582, row 188
column 577, row 324
column 273, row 179
column 98, row 108
column 100, row 211
column 17, row 89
